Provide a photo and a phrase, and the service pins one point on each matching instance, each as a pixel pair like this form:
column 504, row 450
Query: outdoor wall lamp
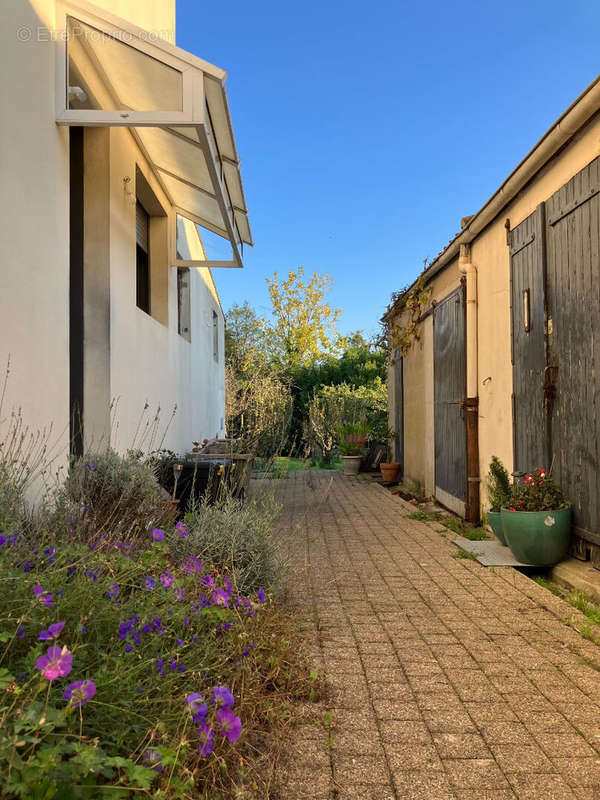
column 128, row 189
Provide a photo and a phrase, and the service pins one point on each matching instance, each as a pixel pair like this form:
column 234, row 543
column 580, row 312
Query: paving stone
column 382, row 791
column 565, row 745
column 417, row 785
column 428, row 657
column 353, row 742
column 482, row 713
column 507, row 733
column 404, row 756
column 396, row 731
column 475, row 773
column 449, row 722
column 579, row 771
column 534, row 786
column 586, row 794
column 521, row 758
column 552, row 722
column 304, row 784
column 486, row 794
column 355, row 768
column 386, row 708
column 461, row 745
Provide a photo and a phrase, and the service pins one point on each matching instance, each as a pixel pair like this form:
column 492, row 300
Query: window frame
column 216, row 335
column 192, row 87
column 195, row 114
column 184, row 298
column 147, row 306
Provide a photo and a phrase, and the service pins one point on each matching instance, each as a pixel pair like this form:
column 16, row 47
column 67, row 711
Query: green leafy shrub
column 238, row 537
column 538, row 492
column 498, row 485
column 333, row 407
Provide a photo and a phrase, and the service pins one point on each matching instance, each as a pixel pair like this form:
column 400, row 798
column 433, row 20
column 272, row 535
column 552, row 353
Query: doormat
column 491, row 554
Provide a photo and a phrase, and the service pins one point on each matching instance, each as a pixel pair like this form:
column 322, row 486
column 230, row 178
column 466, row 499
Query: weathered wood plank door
column 573, row 291
column 399, row 412
column 527, row 264
column 449, row 382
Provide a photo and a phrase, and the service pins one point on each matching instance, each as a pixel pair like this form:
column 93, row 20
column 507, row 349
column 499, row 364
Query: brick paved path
column 447, row 679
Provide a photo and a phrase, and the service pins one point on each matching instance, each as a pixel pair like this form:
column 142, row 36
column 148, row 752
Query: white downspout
column 471, row 401
column 469, row 270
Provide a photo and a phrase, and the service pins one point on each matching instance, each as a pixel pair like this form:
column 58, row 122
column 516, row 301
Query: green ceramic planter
column 537, row 537
column 495, row 520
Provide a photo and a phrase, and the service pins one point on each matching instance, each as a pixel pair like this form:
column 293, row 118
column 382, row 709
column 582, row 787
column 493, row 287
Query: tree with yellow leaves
column 304, row 325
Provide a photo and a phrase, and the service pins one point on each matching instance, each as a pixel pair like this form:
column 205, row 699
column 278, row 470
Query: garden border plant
column 127, row 663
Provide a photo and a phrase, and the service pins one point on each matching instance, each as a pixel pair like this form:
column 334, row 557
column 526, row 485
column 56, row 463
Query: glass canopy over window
column 129, row 79
column 112, row 73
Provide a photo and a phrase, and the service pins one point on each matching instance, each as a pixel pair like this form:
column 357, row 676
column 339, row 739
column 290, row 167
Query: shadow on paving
column 445, row 679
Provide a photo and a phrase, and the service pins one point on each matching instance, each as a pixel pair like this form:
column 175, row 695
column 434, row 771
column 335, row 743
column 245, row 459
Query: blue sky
column 367, row 130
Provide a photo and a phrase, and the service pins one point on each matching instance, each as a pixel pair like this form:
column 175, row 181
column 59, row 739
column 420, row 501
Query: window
column 215, row 318
column 142, row 258
column 183, row 303
column 151, row 251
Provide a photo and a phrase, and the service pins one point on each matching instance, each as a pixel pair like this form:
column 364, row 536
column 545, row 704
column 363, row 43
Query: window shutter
column 141, row 226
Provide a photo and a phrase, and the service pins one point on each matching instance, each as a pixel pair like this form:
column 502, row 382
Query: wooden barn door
column 573, row 376
column 399, row 413
column 527, row 265
column 449, row 382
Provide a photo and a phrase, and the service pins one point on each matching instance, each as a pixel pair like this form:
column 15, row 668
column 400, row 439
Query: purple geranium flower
column 79, row 693
column 51, row 632
column 152, row 759
column 167, row 579
column 149, row 583
column 197, row 706
column 261, row 595
column 114, row 590
column 55, row 664
column 230, row 725
column 206, row 737
column 44, row 597
column 182, row 530
column 192, row 565
column 157, row 535
column 21, row 632
column 221, row 696
column 221, row 598
column 160, row 667
column 209, row 582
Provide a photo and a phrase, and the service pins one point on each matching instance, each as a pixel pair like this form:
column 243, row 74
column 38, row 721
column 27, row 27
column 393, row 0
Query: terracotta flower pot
column 389, row 471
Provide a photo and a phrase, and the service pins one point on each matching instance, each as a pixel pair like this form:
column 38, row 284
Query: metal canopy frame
column 195, row 114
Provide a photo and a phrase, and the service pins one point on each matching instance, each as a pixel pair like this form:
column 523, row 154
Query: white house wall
column 148, row 361
column 34, row 240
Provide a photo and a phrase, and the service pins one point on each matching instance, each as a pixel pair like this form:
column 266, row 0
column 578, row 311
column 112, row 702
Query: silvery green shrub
column 238, row 537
